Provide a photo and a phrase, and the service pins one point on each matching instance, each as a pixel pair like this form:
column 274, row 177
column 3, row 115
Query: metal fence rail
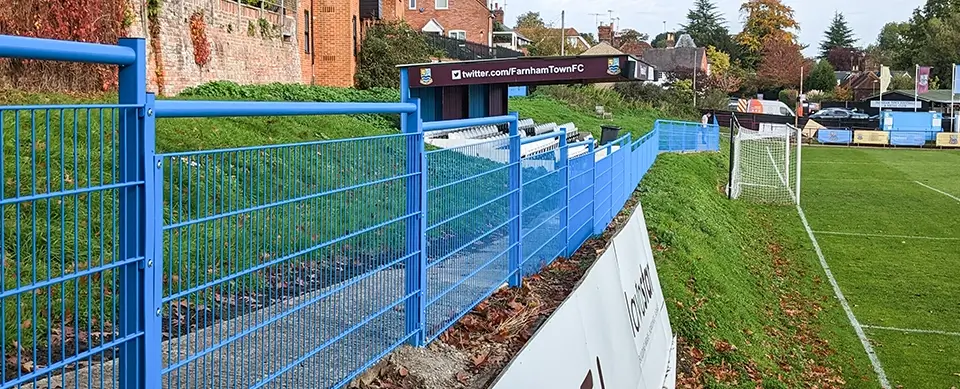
column 294, row 265
column 687, row 136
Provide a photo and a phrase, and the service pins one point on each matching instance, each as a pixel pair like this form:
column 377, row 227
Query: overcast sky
column 865, row 17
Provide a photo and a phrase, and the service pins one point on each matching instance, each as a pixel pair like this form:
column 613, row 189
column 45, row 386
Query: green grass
column 635, row 121
column 893, row 281
column 746, row 275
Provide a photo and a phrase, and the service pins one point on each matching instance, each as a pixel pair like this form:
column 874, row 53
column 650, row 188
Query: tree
column 780, row 64
column 764, row 20
column 660, row 41
column 902, row 81
column 723, row 76
column 530, row 20
column 546, row 41
column 821, row 77
column 838, row 35
column 629, row 35
column 932, row 38
column 589, row 37
column 845, row 58
column 386, row 45
column 707, row 26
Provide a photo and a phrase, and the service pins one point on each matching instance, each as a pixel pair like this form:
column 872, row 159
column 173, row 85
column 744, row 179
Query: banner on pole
column 923, row 79
column 956, row 81
column 884, row 78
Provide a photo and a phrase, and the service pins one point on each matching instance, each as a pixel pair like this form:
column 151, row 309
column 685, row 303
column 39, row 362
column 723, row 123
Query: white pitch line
column 885, row 236
column 938, row 191
column 935, row 332
column 874, row 360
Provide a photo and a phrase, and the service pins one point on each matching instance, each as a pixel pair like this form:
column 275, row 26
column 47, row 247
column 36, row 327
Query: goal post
column 765, row 164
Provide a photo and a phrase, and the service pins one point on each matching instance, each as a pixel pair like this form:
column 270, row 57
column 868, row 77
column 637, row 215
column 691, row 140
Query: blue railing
column 687, row 136
column 295, row 264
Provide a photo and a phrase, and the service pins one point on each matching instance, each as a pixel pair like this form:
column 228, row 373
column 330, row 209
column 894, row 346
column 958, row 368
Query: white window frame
column 436, row 4
column 412, row 4
column 456, row 34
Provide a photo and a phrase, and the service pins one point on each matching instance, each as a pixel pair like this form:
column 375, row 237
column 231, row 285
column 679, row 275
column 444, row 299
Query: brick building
column 330, row 35
column 469, row 20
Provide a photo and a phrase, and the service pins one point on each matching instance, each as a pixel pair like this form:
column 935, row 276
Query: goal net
column 762, row 163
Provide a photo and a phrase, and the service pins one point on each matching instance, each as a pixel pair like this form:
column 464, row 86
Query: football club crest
column 426, row 76
column 832, row 136
column 613, row 66
column 954, row 139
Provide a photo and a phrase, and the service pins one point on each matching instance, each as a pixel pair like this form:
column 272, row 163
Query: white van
column 767, row 107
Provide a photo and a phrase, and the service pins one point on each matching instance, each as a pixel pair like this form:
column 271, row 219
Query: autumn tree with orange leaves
column 780, row 64
column 764, row 20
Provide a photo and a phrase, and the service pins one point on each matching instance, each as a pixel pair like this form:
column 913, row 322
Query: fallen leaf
column 26, row 324
column 479, row 359
column 403, row 371
column 462, row 377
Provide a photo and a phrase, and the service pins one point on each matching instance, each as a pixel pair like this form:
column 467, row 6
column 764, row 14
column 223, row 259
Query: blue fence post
column 415, row 251
column 153, row 277
column 133, row 151
column 516, row 198
column 565, row 174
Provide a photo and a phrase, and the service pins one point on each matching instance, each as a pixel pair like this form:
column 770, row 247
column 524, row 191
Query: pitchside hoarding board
column 946, row 139
column 905, row 138
column 612, row 332
column 528, row 71
column 831, row 135
column 869, row 137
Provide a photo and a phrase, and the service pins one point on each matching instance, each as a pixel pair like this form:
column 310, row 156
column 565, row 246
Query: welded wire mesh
column 284, row 265
column 468, row 243
column 687, row 136
column 581, row 200
column 63, row 288
column 541, row 229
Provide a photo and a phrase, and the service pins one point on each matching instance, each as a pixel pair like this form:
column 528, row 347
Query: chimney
column 498, row 14
column 671, row 40
column 605, row 34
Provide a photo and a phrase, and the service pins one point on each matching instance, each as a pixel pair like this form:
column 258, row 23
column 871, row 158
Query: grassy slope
column 745, row 291
column 545, row 110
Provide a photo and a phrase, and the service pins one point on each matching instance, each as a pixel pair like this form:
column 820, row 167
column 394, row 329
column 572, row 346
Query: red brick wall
column 394, row 9
column 334, row 59
column 471, row 16
column 235, row 55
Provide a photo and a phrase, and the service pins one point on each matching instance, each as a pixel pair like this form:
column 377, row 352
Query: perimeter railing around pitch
column 292, row 264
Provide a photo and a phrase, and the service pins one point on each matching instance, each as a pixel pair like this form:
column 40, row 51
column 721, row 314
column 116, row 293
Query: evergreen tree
column 839, row 34
column 707, row 26
column 821, row 78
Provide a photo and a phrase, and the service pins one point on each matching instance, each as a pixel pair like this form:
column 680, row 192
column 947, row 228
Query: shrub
column 386, row 45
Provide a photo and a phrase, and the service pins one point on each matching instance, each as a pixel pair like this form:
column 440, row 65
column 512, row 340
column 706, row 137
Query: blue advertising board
column 835, row 135
column 906, row 138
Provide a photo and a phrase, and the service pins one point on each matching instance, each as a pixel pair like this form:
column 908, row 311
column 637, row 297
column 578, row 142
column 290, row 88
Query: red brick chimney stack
column 498, row 14
column 605, row 34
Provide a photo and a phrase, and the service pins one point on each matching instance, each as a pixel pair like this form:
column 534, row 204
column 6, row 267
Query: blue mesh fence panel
column 62, row 289
column 543, row 189
column 602, row 189
column 581, row 201
column 283, row 263
column 468, row 230
column 688, row 136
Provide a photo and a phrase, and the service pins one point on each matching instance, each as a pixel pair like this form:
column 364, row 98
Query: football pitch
column 888, row 224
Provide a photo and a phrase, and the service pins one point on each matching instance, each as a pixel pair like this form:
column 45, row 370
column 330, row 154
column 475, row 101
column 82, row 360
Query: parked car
column 839, row 113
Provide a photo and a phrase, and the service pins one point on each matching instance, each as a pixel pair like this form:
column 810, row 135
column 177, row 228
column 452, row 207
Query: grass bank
column 746, row 295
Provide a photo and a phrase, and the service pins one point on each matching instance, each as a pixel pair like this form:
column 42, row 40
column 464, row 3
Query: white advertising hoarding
column 612, row 332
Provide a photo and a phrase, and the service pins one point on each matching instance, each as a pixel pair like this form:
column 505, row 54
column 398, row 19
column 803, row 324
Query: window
column 458, row 34
column 413, row 4
column 441, row 4
column 306, row 32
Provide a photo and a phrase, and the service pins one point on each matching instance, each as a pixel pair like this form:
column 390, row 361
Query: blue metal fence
column 686, row 136
column 297, row 265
